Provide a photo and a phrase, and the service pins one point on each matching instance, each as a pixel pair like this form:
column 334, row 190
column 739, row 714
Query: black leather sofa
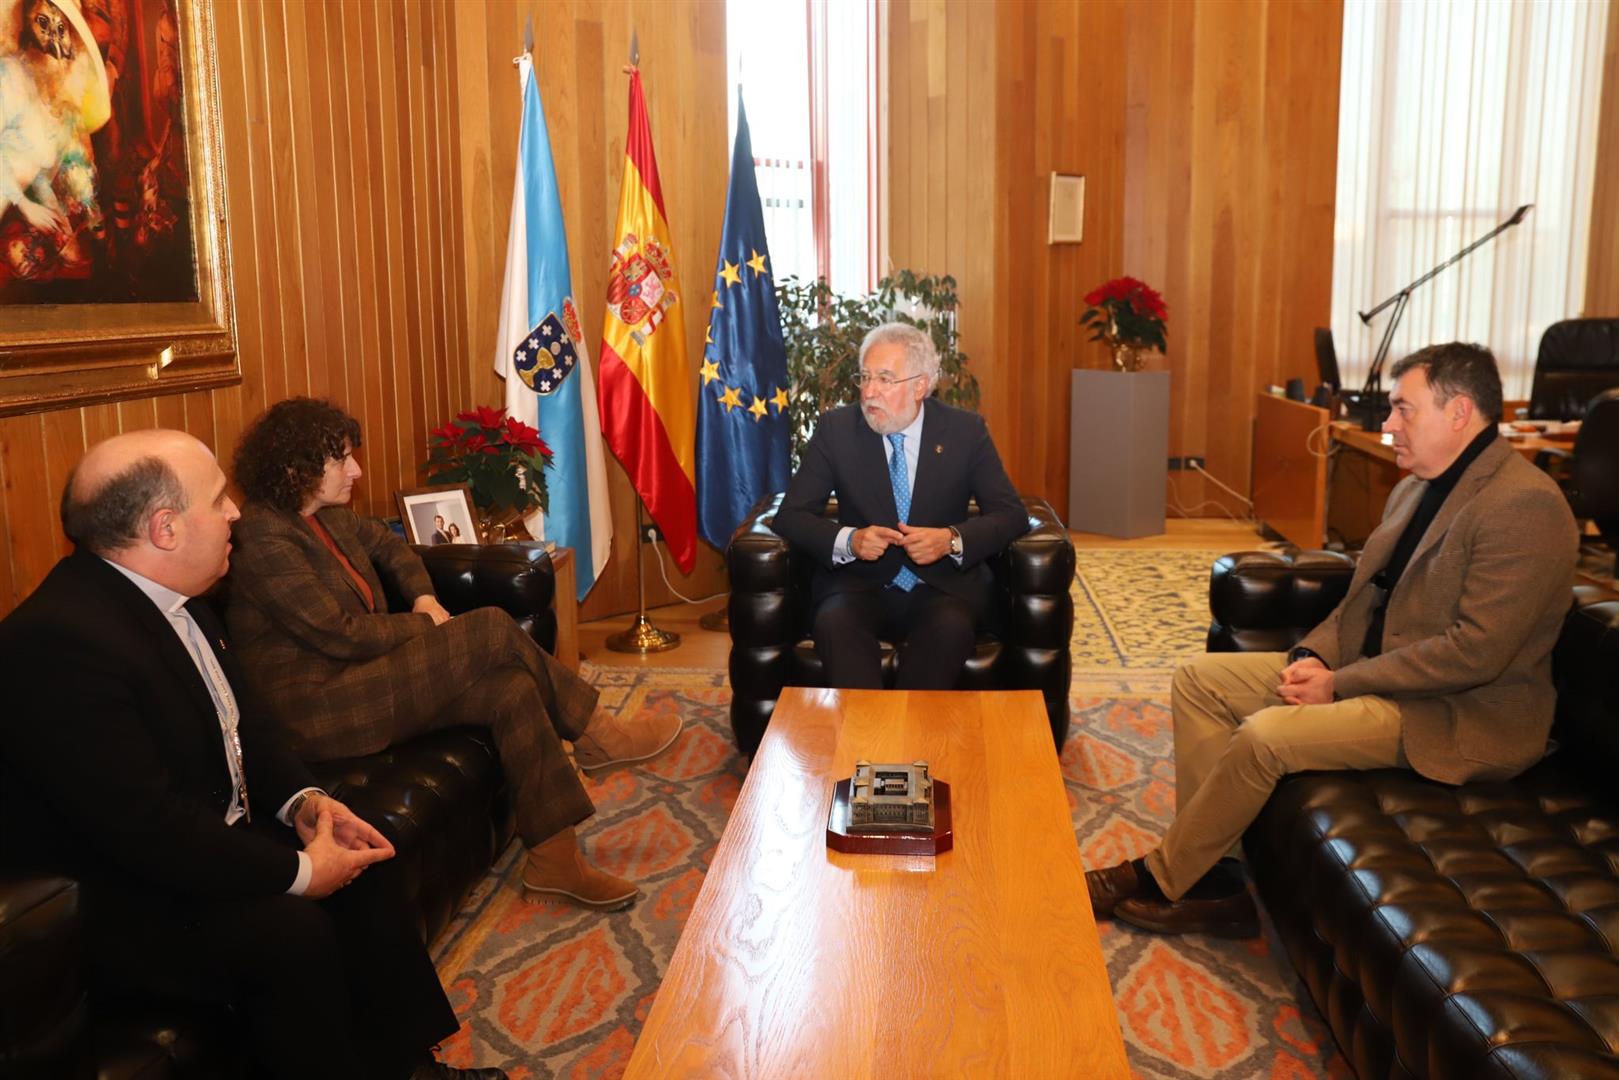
column 1447, row 932
column 1026, row 646
column 441, row 799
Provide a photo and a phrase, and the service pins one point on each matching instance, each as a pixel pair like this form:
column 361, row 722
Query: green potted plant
column 500, row 458
column 823, row 332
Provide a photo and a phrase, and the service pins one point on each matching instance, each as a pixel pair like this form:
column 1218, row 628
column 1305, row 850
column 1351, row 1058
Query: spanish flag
column 648, row 407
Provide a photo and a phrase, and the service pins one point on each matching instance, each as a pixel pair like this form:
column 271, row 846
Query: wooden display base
column 838, row 838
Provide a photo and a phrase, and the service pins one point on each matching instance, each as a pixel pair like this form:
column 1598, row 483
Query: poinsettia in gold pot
column 500, row 458
column 1130, row 316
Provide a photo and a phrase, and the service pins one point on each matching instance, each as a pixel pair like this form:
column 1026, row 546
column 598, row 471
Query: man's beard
column 889, row 425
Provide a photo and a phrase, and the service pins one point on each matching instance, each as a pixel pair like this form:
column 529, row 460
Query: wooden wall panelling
column 1602, row 274
column 1208, row 143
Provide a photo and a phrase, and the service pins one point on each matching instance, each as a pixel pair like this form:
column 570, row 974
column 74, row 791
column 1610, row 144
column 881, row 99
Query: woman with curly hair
column 347, row 677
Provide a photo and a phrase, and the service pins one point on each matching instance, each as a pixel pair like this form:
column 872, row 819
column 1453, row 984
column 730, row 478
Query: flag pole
column 642, row 637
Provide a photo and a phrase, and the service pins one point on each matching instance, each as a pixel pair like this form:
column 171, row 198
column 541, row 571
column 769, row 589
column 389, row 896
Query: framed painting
column 442, row 514
column 114, row 252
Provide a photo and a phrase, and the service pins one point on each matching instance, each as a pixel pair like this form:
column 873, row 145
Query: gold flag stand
column 642, row 637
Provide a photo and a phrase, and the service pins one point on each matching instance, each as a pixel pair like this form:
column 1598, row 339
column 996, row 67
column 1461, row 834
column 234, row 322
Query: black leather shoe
column 1227, row 916
column 1108, row 887
column 437, row 1070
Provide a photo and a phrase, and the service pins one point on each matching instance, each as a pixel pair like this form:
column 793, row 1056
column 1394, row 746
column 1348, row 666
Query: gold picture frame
column 55, row 356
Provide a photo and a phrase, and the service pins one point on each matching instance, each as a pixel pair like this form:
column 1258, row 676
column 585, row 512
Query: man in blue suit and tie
column 903, row 561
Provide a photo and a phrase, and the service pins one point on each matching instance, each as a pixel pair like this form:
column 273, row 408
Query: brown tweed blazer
column 301, row 629
column 1468, row 636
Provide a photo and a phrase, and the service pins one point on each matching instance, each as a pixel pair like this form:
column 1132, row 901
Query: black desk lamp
column 1371, row 398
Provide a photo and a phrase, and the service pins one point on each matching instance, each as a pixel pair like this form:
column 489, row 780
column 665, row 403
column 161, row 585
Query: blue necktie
column 904, row 580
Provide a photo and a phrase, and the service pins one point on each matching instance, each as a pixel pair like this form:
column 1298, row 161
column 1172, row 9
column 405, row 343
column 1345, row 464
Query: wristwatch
column 955, row 542
column 299, row 800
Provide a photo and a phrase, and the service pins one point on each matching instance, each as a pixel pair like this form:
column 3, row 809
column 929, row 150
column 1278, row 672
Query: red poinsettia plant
column 1130, row 316
column 502, row 460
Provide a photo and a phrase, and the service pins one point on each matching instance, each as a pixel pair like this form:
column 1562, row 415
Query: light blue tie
column 904, row 580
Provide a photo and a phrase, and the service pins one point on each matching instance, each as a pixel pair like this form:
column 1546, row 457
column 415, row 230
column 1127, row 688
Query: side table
column 567, row 607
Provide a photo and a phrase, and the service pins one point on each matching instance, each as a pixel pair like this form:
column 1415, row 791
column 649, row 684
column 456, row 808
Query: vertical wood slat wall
column 369, row 149
column 581, row 49
column 1602, row 275
column 1207, row 135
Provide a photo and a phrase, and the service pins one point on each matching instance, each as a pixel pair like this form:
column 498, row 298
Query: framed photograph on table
column 442, row 514
column 115, row 274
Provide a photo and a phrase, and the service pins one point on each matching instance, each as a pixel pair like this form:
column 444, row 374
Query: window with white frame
column 811, row 78
column 1452, row 114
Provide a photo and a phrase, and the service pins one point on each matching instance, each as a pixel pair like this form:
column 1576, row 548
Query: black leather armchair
column 1027, row 645
column 441, row 798
column 1448, row 932
column 1578, row 359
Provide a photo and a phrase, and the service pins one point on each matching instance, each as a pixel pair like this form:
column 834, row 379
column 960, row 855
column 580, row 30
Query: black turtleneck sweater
column 1439, row 489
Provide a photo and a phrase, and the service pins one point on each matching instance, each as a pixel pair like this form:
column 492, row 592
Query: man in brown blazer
column 1438, row 659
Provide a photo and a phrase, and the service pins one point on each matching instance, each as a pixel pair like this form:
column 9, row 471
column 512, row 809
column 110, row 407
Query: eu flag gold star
column 779, row 400
column 711, row 371
column 731, row 399
column 732, row 273
column 708, row 334
column 757, row 263
column 758, row 409
column 715, row 303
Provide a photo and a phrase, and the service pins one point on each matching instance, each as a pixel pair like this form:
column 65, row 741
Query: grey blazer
column 1470, row 626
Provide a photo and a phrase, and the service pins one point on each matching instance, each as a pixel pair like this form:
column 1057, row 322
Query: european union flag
column 742, row 405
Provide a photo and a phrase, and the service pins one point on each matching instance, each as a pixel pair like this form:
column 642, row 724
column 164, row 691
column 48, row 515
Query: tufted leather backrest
column 1578, row 359
column 1265, row 601
column 1027, row 645
column 515, row 577
column 1593, row 485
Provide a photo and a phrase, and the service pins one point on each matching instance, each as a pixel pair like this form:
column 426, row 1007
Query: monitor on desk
column 1326, row 358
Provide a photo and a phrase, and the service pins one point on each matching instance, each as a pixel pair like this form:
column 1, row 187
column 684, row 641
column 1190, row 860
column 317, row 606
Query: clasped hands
column 1306, row 682
column 338, row 842
column 922, row 544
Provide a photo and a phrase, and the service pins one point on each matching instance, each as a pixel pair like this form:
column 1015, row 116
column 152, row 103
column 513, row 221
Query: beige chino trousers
column 1235, row 738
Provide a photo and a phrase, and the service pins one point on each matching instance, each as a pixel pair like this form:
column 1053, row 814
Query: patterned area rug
column 551, row 991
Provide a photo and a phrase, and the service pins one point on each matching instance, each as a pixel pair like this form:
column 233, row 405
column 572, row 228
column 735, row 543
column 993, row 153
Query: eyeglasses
column 883, row 379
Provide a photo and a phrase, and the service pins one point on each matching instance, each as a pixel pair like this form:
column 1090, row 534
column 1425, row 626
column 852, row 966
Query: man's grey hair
column 920, row 355
column 1458, row 368
column 113, row 516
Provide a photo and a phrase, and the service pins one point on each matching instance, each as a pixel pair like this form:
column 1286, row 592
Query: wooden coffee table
column 799, row 961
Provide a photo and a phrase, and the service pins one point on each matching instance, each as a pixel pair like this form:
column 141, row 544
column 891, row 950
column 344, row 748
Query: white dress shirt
column 172, row 605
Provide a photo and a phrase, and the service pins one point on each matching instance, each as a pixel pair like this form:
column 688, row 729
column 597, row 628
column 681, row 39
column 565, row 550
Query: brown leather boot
column 558, row 868
column 609, row 741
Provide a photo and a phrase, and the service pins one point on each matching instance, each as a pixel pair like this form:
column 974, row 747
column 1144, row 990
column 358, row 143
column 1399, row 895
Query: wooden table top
column 1381, row 446
column 799, row 961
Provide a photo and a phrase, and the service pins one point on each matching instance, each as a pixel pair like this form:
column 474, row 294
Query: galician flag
column 742, row 419
column 647, row 409
column 541, row 352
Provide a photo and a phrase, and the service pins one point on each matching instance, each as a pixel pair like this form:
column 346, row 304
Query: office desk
column 1364, row 473
column 1290, row 469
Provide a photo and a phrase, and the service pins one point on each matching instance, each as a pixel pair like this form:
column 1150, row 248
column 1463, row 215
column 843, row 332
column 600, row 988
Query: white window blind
column 811, row 73
column 1452, row 114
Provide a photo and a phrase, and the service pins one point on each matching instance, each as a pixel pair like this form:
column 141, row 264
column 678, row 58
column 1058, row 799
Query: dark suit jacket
column 957, row 463
column 112, row 765
column 1468, row 635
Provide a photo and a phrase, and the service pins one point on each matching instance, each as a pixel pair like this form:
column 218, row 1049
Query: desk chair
column 1578, row 359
